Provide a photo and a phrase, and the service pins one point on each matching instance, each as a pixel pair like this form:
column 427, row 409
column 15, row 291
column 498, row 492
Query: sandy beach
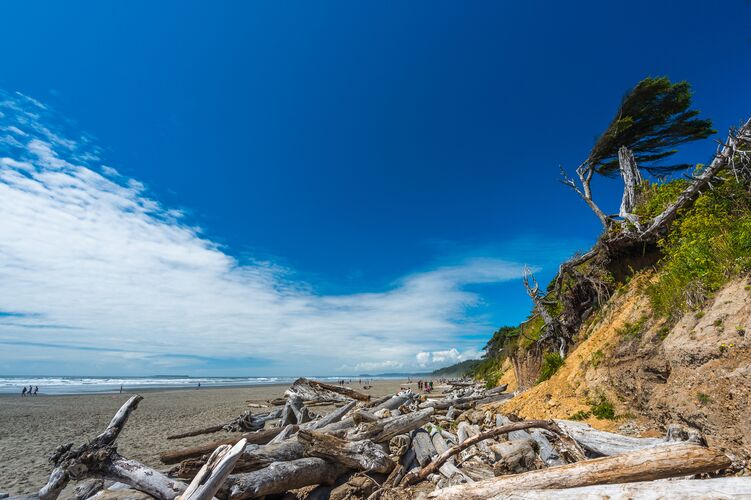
column 32, row 427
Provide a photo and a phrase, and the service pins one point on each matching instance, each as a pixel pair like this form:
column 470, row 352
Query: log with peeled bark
column 465, row 402
column 602, row 443
column 383, row 430
column 423, row 446
column 360, row 455
column 216, row 469
column 252, row 458
column 550, row 425
column 312, row 390
column 174, row 456
column 334, row 416
column 678, row 489
column 282, row 476
column 99, row 459
column 548, row 454
column 675, row 460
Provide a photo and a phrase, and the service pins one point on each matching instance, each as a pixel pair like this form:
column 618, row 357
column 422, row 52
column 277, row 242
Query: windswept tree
column 653, row 118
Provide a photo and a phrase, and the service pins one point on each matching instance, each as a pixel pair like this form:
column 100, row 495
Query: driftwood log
column 470, row 441
column 260, row 437
column 282, row 476
column 311, row 390
column 383, row 430
column 359, row 455
column 602, row 443
column 214, row 472
column 676, row 460
column 99, row 459
column 678, row 489
column 252, row 458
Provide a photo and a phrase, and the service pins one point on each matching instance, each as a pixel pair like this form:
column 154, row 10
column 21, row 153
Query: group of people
column 30, row 391
column 425, row 385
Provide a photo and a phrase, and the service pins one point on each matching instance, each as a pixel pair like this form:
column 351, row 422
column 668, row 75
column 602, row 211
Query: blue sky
column 208, row 188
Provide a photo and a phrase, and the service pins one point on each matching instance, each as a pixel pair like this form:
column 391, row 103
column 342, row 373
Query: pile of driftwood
column 401, row 446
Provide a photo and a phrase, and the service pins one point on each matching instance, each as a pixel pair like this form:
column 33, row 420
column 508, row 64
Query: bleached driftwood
column 258, row 437
column 282, row 476
column 99, row 459
column 571, row 448
column 726, row 488
column 334, row 416
column 252, row 458
column 676, row 460
column 211, row 476
column 514, row 456
column 360, row 455
column 312, row 390
column 548, row 454
column 603, row 443
column 383, row 430
column 423, row 446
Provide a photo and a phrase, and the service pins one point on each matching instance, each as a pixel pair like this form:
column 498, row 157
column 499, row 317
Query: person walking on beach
column 23, row 392
column 36, row 390
column 30, row 390
column 121, row 388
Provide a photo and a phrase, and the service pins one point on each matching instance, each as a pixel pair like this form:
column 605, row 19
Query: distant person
column 31, row 389
column 199, row 385
column 36, row 390
column 121, row 388
column 23, row 392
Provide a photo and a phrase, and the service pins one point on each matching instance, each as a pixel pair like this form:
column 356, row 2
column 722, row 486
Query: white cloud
column 98, row 275
column 439, row 359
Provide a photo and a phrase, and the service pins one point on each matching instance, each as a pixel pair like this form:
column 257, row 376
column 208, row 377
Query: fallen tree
column 676, row 460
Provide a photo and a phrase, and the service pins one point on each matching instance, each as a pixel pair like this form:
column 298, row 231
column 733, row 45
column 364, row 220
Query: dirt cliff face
column 697, row 372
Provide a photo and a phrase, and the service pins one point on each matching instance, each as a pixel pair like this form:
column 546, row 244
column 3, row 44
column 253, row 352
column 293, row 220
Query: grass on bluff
column 707, row 245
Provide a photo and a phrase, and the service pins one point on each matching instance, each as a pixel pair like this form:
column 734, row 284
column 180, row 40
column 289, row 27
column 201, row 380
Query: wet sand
column 32, row 427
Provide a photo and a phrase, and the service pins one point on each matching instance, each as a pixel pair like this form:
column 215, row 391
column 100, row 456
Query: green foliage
column 603, row 409
column 703, row 398
column 632, row 330
column 708, row 244
column 596, row 358
column 652, row 119
column 580, row 415
column 655, row 198
column 458, row 370
column 663, row 332
column 551, row 362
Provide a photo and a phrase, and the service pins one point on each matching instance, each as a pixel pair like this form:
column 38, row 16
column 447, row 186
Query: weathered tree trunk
column 383, row 430
column 311, row 390
column 643, row 465
column 282, row 476
column 469, row 441
column 259, row 437
column 359, row 455
column 251, row 459
column 602, row 443
column 98, row 459
column 683, row 489
column 211, row 476
column 423, row 446
column 514, row 456
column 547, row 452
column 632, row 181
column 334, row 416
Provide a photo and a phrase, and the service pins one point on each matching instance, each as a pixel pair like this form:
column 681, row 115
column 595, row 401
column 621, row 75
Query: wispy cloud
column 85, row 248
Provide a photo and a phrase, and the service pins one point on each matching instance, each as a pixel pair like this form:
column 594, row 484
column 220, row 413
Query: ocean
column 83, row 385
